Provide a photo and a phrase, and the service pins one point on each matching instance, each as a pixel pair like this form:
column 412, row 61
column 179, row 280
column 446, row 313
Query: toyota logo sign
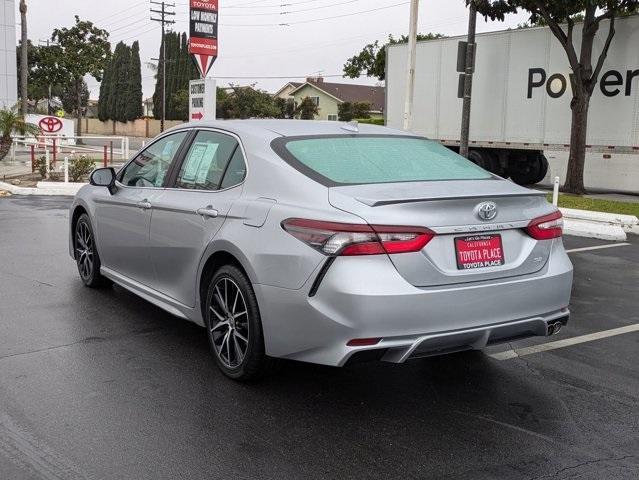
column 486, row 211
column 50, row 124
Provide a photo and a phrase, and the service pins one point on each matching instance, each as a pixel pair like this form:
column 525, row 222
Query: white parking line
column 544, row 347
column 597, row 247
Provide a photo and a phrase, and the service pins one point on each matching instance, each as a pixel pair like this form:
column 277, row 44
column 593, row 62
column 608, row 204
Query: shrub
column 372, row 121
column 81, row 167
column 42, row 167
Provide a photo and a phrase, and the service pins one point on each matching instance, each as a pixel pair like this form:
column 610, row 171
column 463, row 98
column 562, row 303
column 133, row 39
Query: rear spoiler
column 372, row 202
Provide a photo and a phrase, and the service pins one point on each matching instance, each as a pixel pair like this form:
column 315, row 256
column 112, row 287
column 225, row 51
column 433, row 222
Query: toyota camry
column 323, row 242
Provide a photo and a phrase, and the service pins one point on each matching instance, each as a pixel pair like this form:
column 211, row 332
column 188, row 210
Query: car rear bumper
column 365, row 297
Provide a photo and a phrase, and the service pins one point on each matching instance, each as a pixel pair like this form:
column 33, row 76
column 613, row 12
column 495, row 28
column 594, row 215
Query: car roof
column 270, row 128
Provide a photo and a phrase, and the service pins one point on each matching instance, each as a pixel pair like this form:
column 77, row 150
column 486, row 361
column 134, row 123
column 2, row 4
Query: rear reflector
column 546, row 227
column 363, row 342
column 346, row 239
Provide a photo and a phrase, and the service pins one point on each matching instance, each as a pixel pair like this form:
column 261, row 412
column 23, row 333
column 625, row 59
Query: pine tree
column 112, row 87
column 134, row 89
column 121, row 101
column 103, row 99
column 157, row 94
column 179, row 70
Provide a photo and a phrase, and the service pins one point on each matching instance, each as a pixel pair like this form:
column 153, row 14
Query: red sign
column 197, row 116
column 203, row 33
column 50, row 124
column 478, row 251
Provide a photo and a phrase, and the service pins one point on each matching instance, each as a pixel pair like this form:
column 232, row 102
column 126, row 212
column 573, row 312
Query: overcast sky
column 252, row 43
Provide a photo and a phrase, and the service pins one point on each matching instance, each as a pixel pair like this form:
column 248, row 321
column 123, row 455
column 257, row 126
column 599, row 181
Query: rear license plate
column 479, row 251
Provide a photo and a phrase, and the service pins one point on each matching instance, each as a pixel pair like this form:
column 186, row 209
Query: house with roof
column 328, row 95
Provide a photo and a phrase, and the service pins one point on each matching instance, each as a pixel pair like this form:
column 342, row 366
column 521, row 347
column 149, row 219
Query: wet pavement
column 99, row 384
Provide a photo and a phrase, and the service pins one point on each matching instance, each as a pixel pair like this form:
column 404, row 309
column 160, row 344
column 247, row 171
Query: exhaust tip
column 554, row 328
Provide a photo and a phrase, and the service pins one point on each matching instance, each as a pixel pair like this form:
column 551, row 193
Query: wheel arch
column 78, row 210
column 217, row 255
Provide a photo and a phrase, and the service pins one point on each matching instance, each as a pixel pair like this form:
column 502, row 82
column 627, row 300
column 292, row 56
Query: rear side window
column 236, row 171
column 206, row 161
column 376, row 159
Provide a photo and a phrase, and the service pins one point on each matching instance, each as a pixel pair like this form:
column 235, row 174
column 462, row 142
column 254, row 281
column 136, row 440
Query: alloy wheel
column 84, row 250
column 228, row 322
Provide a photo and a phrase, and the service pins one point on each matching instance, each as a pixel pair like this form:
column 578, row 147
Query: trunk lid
column 450, row 209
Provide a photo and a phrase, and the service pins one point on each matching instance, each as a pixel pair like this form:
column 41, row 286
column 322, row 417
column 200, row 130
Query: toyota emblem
column 50, row 124
column 486, row 211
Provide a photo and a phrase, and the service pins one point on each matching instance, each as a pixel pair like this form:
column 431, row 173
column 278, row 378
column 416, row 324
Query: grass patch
column 596, row 204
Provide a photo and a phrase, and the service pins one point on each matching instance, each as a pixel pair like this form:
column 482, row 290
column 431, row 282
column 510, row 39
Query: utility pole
column 163, row 14
column 410, row 70
column 23, row 58
column 49, row 112
column 468, row 79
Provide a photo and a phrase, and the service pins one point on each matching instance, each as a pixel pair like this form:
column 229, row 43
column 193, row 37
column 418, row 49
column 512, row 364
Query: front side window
column 206, row 161
column 150, row 167
column 375, row 159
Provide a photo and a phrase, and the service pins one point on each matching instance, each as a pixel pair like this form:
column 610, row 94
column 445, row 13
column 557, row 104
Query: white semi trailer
column 520, row 115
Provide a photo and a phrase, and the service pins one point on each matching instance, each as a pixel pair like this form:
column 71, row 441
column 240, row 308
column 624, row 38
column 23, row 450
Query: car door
column 189, row 214
column 124, row 218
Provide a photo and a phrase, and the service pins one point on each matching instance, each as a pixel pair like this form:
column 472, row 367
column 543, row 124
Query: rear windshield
column 377, row 159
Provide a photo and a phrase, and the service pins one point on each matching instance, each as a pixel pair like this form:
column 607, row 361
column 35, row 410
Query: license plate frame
column 479, row 251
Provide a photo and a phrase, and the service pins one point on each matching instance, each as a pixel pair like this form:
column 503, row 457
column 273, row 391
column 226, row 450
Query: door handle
column 144, row 205
column 208, row 211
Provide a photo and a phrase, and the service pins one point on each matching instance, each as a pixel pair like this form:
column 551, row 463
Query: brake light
column 546, row 227
column 346, row 239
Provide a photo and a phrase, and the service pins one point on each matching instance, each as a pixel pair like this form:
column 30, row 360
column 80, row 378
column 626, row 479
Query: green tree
column 246, row 102
column 286, row 107
column 179, row 70
column 307, row 109
column 104, row 111
column 11, row 122
column 560, row 18
column 43, row 71
column 371, row 60
column 69, row 99
column 134, row 89
column 347, row 111
column 85, row 51
column 120, row 82
column 180, row 103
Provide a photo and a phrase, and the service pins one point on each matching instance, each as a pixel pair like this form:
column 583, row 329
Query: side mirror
column 103, row 177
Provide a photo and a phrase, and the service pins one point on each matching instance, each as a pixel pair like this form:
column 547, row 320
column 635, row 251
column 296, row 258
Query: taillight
column 546, row 227
column 346, row 239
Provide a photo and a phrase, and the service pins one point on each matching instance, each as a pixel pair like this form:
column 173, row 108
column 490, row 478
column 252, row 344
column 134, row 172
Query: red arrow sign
column 196, row 116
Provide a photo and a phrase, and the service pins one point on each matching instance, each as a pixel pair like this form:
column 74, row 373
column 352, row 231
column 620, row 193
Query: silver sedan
column 323, row 242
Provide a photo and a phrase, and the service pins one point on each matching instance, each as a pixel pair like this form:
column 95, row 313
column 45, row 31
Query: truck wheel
column 528, row 169
column 484, row 159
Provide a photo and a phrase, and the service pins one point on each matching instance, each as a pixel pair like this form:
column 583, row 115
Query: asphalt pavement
column 99, row 384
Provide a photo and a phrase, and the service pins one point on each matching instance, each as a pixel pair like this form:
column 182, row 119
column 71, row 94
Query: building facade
column 8, row 74
column 328, row 96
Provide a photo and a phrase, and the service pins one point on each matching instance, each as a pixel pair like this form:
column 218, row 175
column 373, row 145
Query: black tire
column 485, row 159
column 528, row 169
column 230, row 331
column 86, row 254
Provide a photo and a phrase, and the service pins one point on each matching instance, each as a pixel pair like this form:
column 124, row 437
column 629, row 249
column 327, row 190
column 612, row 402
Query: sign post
column 203, row 33
column 202, row 99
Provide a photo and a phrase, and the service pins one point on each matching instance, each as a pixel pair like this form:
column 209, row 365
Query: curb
column 601, row 225
column 43, row 188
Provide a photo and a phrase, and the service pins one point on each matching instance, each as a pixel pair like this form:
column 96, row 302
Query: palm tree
column 11, row 122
